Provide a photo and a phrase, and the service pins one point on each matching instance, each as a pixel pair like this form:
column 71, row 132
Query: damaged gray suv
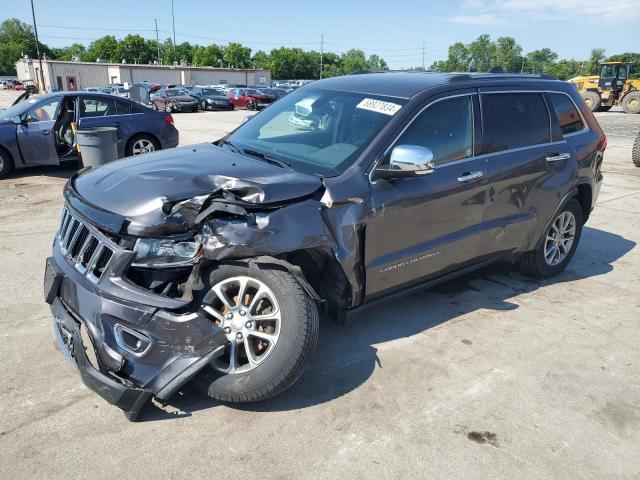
column 213, row 263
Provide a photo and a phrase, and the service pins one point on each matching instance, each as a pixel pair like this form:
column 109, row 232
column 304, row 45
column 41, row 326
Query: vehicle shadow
column 56, row 171
column 347, row 356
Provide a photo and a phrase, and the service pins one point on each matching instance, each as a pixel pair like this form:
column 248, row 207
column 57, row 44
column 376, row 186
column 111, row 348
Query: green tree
column 592, row 66
column 508, row 54
column 135, row 49
column 260, row 59
column 539, row 61
column 208, row 56
column 75, row 51
column 17, row 39
column 483, row 54
column 354, row 60
column 184, row 52
column 237, row 56
column 105, row 48
column 564, row 69
column 377, row 63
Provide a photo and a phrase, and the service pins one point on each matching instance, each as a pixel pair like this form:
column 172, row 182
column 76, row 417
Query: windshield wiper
column 261, row 155
column 267, row 158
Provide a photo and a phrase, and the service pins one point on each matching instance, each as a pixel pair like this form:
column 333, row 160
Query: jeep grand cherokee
column 212, row 262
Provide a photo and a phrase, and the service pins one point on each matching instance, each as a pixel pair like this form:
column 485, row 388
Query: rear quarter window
column 514, row 120
column 566, row 112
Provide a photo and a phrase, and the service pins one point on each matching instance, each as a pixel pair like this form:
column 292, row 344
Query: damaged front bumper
column 126, row 352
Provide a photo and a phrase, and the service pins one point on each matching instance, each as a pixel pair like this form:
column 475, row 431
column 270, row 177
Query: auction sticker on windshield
column 388, row 108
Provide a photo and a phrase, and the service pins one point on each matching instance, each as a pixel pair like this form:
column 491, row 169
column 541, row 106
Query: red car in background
column 249, row 98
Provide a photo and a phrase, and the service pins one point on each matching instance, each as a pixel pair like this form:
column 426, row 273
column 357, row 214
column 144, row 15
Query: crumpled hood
column 138, row 187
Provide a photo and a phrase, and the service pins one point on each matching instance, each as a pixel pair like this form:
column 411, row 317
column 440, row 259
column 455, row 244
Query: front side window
column 44, row 112
column 317, row 131
column 514, row 120
column 569, row 119
column 445, row 128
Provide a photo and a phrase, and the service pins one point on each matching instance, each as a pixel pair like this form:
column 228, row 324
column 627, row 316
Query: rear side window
column 446, row 128
column 514, row 120
column 122, row 108
column 568, row 117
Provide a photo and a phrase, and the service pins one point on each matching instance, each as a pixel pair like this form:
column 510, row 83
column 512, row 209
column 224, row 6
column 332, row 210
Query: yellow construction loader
column 611, row 87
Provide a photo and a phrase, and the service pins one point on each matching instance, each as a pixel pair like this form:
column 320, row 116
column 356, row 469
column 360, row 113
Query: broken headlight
column 165, row 253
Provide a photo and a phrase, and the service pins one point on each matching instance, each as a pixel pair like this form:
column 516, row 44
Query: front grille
column 83, row 247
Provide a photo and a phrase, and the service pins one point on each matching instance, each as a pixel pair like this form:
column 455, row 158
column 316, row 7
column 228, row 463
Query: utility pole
column 321, row 52
column 173, row 20
column 35, row 30
column 158, row 42
column 423, row 46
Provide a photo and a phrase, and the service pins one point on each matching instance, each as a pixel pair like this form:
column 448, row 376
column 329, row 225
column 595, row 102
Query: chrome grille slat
column 78, row 240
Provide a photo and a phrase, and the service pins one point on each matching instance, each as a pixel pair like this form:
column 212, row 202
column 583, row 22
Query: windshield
column 617, row 71
column 211, row 91
column 175, row 93
column 317, row 131
column 253, row 91
column 20, row 108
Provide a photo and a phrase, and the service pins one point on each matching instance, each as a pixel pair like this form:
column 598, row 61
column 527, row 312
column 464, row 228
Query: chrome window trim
column 388, row 149
column 484, row 155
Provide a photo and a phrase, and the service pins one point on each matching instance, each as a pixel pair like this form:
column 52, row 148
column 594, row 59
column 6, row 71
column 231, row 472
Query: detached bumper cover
column 180, row 344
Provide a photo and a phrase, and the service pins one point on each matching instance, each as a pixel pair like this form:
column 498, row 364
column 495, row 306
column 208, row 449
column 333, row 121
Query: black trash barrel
column 98, row 145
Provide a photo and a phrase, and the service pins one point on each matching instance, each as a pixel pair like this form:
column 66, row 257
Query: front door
column 422, row 226
column 36, row 136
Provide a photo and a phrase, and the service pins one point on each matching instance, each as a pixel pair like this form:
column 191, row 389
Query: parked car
column 120, row 91
column 173, row 100
column 276, row 92
column 249, row 98
column 213, row 262
column 38, row 131
column 210, row 98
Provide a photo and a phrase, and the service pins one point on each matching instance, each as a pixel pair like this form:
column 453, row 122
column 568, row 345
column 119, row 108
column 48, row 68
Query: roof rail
column 466, row 77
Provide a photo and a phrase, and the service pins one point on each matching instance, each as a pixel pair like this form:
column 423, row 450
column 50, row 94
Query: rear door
column 105, row 111
column 36, row 136
column 526, row 166
column 425, row 225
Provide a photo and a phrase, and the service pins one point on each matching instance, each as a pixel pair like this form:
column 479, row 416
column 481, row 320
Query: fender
column 572, row 193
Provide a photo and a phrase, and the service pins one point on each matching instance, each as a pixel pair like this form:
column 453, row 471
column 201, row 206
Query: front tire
column 6, row 164
column 631, row 103
column 593, row 100
column 559, row 243
column 203, row 105
column 272, row 331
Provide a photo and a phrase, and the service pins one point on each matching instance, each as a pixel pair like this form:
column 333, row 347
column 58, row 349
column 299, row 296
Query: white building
column 78, row 75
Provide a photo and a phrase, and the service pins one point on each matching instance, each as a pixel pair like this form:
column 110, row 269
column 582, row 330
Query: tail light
column 168, row 119
column 603, row 143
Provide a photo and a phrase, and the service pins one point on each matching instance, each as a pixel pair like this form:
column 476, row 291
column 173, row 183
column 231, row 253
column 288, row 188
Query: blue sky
column 395, row 30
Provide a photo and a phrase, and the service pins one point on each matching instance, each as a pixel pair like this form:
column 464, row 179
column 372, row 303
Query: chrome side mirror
column 408, row 161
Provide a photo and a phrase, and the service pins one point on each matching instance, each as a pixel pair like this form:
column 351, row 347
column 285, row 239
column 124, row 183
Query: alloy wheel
column 560, row 238
column 142, row 146
column 248, row 312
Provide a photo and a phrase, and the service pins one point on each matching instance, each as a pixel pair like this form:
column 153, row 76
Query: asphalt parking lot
column 492, row 375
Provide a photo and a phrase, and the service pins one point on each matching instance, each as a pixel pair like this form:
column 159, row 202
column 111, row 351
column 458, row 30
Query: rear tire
column 631, row 102
column 537, row 263
column 593, row 100
column 203, row 106
column 141, row 144
column 285, row 357
column 6, row 164
column 635, row 154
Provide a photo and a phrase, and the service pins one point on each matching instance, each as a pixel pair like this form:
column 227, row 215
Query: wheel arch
column 584, row 196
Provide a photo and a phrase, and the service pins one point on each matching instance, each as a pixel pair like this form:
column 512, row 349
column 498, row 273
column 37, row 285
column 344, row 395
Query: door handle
column 470, row 176
column 45, row 132
column 558, row 156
